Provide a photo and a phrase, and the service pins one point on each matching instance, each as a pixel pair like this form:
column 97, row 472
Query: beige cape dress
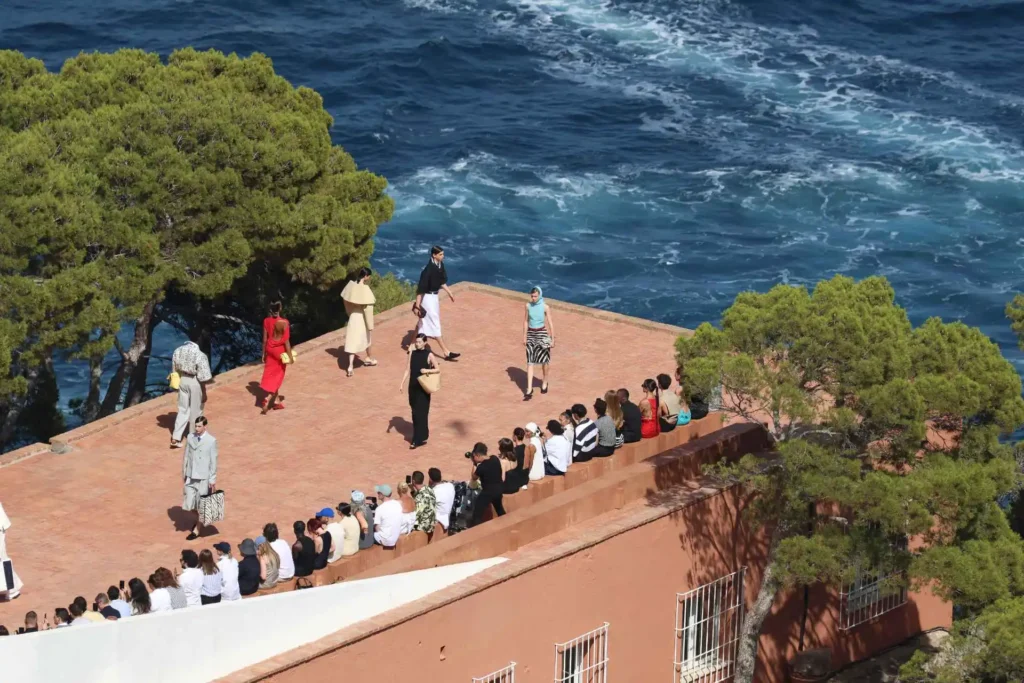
column 359, row 301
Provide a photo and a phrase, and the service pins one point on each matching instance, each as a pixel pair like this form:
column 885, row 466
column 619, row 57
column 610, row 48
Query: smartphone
column 122, row 584
column 95, row 607
column 408, row 479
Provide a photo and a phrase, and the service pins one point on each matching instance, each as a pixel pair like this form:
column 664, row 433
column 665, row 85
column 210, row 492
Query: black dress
column 517, row 477
column 304, row 557
column 321, row 559
column 419, row 400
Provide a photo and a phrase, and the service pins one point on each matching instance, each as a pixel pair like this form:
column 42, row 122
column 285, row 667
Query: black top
column 489, row 474
column 517, row 477
column 321, row 560
column 249, row 575
column 109, row 612
column 431, row 279
column 630, row 422
column 417, row 362
column 305, row 557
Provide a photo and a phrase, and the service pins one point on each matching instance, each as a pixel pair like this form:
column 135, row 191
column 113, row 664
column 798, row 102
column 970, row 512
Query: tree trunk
column 129, row 360
column 137, row 382
column 750, row 633
column 17, row 406
column 91, row 407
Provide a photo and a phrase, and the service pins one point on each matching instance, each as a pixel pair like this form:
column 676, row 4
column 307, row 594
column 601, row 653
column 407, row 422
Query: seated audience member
column 4, row 631
column 387, row 518
column 519, row 476
column 270, row 563
column 486, row 471
column 139, row 597
column 77, row 610
column 699, row 406
column 159, row 600
column 102, row 605
column 209, row 593
column 568, row 423
column 670, row 405
column 117, row 603
column 535, row 445
column 322, row 539
column 650, row 427
column 444, row 493
column 325, row 517
column 87, row 614
column 585, row 440
column 605, row 430
column 303, row 550
column 31, row 622
column 408, row 508
column 61, row 617
column 286, row 566
column 426, row 504
column 611, row 399
column 506, row 456
column 557, row 451
column 249, row 568
column 191, row 578
column 166, row 579
column 631, row 418
column 345, row 534
column 364, row 514
column 228, row 566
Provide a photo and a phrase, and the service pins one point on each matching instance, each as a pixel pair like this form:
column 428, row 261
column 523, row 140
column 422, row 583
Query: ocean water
column 649, row 157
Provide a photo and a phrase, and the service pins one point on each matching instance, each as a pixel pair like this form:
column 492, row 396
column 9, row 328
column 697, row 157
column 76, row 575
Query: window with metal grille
column 583, row 659
column 506, row 675
column 871, row 595
column 708, row 622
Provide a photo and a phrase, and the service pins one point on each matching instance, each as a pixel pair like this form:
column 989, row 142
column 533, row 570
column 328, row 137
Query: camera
column 469, row 454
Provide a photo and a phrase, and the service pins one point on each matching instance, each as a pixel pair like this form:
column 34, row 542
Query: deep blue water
column 649, row 157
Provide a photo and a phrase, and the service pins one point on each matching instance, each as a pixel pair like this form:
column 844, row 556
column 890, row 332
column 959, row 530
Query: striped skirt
column 538, row 346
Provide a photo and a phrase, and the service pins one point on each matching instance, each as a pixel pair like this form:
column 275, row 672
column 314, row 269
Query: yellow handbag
column 286, row 359
column 174, row 379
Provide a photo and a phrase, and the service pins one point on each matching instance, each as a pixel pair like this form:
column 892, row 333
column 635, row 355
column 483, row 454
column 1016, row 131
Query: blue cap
column 326, row 512
column 383, row 489
column 260, row 540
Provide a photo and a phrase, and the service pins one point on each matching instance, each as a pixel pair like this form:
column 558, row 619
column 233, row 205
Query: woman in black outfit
column 519, row 476
column 421, row 362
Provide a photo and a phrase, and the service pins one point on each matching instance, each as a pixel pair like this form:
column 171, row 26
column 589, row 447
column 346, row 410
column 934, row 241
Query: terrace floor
column 110, row 509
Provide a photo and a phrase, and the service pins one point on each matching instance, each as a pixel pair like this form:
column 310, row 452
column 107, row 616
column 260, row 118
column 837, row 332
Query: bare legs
column 529, row 381
column 444, row 349
column 370, row 360
column 271, row 402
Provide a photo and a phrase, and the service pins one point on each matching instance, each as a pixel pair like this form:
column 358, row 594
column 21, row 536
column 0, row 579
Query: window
column 583, row 659
column 506, row 675
column 708, row 621
column 871, row 594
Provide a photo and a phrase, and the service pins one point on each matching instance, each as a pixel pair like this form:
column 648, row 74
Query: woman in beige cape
column 359, row 301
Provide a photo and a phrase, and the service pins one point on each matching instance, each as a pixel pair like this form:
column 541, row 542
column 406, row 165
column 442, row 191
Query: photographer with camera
column 487, row 471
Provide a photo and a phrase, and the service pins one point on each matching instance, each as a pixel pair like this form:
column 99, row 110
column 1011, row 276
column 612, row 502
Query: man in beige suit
column 199, row 471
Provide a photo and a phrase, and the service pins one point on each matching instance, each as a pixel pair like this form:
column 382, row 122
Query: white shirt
column 229, row 589
column 537, row 470
column 191, row 581
column 160, row 600
column 445, row 495
column 559, row 452
column 388, row 521
column 284, row 551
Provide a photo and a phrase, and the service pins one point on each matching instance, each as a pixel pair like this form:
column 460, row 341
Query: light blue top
column 535, row 311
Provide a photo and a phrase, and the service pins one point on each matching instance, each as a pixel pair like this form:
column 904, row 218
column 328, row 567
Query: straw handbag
column 430, row 383
column 286, row 359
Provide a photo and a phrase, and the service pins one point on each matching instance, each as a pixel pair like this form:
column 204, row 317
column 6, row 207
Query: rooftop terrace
column 110, row 508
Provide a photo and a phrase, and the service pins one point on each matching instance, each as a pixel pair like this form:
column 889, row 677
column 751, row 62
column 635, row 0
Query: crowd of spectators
column 426, row 503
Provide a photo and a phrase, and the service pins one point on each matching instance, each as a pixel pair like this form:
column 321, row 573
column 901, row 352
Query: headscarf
column 540, row 296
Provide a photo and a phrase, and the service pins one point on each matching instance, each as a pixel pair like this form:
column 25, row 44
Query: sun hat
column 247, row 547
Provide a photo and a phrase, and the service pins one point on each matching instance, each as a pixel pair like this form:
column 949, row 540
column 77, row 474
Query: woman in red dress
column 276, row 342
column 650, row 426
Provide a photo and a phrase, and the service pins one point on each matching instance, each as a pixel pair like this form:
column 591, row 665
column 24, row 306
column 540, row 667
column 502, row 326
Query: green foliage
column 128, row 181
column 391, row 291
column 1015, row 312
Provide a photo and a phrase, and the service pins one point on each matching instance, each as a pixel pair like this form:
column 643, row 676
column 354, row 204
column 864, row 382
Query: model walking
column 421, row 362
column 359, row 301
column 193, row 368
column 433, row 279
column 277, row 353
column 10, row 585
column 539, row 339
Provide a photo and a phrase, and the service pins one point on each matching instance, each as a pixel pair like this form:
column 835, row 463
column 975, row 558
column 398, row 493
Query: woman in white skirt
column 359, row 301
column 7, row 591
column 539, row 339
column 433, row 279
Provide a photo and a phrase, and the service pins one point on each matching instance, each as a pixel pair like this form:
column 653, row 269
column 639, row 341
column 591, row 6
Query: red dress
column 650, row 427
column 273, row 368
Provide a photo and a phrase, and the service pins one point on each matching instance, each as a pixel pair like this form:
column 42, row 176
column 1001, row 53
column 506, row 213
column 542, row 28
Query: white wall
column 205, row 643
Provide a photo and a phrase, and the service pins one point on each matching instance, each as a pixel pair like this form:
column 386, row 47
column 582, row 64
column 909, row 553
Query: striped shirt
column 585, row 438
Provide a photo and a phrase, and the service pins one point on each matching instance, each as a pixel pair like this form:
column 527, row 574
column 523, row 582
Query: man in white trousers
column 194, row 368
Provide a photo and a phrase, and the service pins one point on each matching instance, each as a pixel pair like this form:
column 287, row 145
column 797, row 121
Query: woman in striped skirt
column 539, row 339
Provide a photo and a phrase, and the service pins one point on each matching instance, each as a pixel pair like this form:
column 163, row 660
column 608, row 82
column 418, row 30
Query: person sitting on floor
column 557, row 451
column 303, row 550
column 605, row 430
column 631, row 418
column 387, row 518
column 585, row 435
column 248, row 568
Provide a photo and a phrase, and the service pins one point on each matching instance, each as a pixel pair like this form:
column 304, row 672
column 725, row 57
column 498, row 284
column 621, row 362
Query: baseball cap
column 326, row 512
column 383, row 489
column 260, row 540
column 532, row 428
column 223, row 546
column 358, row 497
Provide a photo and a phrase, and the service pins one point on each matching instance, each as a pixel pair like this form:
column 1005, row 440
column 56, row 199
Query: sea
column 649, row 157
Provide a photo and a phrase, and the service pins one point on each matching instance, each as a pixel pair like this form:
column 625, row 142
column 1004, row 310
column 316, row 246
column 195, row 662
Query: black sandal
column 544, row 389
column 527, row 396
